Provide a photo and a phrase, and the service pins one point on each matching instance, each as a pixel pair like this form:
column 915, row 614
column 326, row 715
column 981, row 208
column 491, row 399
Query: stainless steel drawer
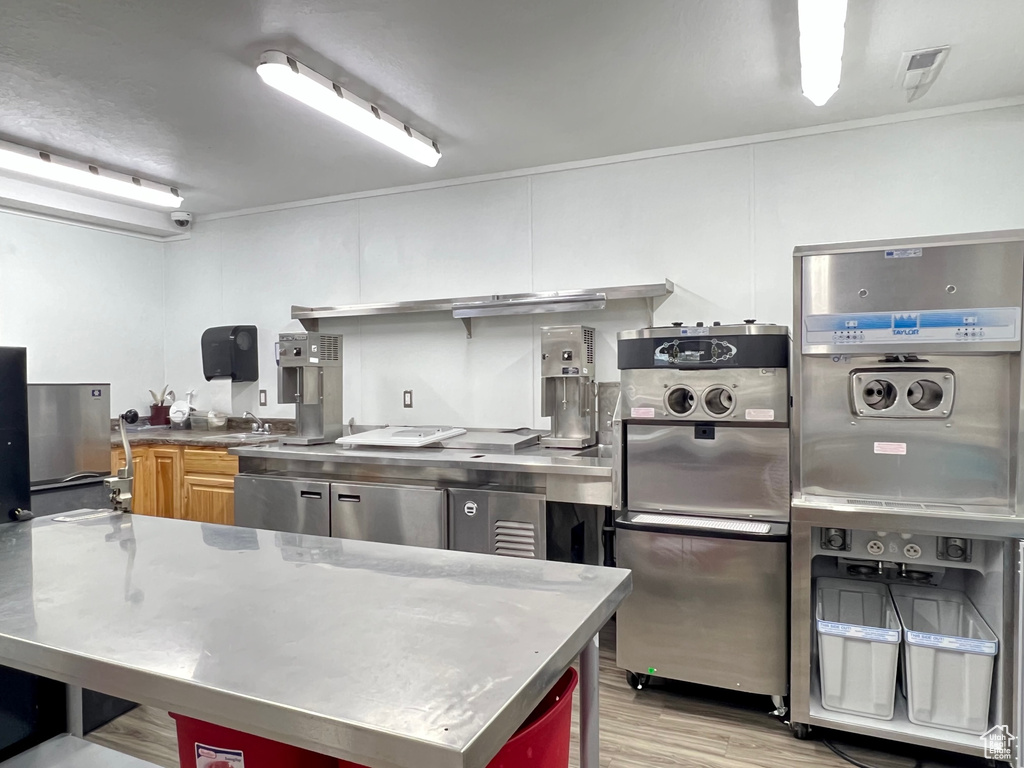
column 724, row 470
column 709, row 604
column 497, row 522
column 391, row 514
column 283, row 504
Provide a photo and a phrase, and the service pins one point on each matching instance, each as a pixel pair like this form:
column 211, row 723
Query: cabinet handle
column 348, row 497
column 311, row 494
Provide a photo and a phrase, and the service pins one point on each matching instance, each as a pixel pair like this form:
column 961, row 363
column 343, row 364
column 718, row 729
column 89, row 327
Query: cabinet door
column 210, row 499
column 283, row 504
column 390, row 514
column 167, row 479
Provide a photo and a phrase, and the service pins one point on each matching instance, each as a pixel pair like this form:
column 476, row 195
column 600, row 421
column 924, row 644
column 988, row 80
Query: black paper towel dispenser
column 231, row 350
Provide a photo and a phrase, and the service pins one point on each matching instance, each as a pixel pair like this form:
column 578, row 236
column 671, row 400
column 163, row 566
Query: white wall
column 87, row 304
column 720, row 223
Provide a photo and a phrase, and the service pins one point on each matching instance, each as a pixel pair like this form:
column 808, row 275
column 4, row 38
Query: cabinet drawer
column 390, row 514
column 283, row 504
column 201, row 461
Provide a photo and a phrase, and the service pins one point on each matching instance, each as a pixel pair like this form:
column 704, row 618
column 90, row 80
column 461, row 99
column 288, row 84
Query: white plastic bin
column 948, row 656
column 858, row 647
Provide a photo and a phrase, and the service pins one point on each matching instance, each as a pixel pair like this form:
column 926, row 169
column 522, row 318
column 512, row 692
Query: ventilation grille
column 515, row 539
column 330, row 347
column 588, row 342
column 943, row 508
column 909, row 505
column 703, row 523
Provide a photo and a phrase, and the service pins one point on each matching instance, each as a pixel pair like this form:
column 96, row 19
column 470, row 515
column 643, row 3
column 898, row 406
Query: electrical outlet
column 263, row 397
column 407, row 398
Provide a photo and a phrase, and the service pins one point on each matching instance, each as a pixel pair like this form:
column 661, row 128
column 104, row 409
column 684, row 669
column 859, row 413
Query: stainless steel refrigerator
column 63, row 465
column 69, row 435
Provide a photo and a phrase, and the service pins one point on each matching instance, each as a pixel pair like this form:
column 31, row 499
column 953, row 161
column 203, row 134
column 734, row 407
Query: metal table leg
column 590, row 745
column 76, row 721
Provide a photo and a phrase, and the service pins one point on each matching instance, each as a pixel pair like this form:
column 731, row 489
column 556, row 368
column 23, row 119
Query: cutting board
column 401, row 437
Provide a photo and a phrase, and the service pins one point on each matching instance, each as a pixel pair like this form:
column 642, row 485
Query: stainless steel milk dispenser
column 907, row 516
column 568, row 394
column 310, row 375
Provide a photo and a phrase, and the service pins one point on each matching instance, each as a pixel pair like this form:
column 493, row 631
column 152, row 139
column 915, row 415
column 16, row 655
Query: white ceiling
column 168, row 90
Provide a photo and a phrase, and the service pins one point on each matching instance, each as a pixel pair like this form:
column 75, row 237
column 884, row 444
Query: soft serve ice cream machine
column 908, row 497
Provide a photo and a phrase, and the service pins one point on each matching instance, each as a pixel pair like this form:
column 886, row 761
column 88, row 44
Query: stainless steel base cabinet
column 283, row 504
column 498, row 522
column 708, row 607
column 390, row 514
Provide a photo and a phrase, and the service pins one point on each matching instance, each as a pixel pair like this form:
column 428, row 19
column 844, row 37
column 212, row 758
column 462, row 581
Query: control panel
column 910, row 548
column 299, row 349
column 925, row 327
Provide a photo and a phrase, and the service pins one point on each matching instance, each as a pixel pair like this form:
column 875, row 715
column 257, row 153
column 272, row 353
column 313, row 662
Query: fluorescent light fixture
column 822, row 33
column 313, row 89
column 529, row 303
column 43, row 165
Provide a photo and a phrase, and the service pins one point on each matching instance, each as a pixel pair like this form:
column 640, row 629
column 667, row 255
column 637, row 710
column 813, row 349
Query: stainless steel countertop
column 388, row 656
column 191, row 437
column 535, row 459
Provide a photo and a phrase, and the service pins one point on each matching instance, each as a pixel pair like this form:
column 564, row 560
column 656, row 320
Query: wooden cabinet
column 165, row 476
column 182, row 482
column 210, row 499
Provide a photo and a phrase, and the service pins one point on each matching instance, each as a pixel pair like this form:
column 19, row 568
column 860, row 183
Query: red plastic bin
column 541, row 742
column 205, row 745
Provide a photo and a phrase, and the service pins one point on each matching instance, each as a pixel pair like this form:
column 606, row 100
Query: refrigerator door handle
column 83, row 476
column 705, row 527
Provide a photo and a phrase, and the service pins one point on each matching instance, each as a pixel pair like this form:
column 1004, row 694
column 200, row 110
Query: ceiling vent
column 919, row 69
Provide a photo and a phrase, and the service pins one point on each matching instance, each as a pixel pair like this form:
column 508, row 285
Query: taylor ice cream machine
column 908, row 500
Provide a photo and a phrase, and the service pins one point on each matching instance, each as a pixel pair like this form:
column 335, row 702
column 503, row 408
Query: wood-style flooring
column 669, row 725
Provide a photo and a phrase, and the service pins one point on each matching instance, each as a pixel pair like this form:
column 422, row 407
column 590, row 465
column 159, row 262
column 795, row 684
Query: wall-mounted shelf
column 468, row 307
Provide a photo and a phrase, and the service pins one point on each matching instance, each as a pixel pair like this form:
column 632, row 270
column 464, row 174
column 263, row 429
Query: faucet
column 258, row 426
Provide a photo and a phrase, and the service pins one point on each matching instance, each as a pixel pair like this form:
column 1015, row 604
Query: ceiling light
column 43, row 165
column 822, row 30
column 313, row 89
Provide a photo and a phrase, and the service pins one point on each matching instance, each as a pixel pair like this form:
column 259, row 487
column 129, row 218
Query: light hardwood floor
column 671, row 725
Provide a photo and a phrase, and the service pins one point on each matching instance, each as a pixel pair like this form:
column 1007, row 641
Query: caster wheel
column 800, row 731
column 637, row 682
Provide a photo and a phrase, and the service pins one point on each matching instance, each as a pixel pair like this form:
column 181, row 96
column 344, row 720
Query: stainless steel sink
column 595, row 452
column 241, row 437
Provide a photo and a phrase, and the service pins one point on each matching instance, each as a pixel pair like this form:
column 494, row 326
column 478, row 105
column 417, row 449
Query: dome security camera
column 181, row 219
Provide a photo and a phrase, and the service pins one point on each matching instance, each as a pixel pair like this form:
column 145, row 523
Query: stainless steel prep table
column 393, row 657
column 560, row 475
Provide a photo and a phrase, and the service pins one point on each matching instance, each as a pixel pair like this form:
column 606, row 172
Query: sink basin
column 241, row 437
column 595, row 452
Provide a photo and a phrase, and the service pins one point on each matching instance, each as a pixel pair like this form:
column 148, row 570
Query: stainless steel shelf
column 69, row 752
column 467, row 307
